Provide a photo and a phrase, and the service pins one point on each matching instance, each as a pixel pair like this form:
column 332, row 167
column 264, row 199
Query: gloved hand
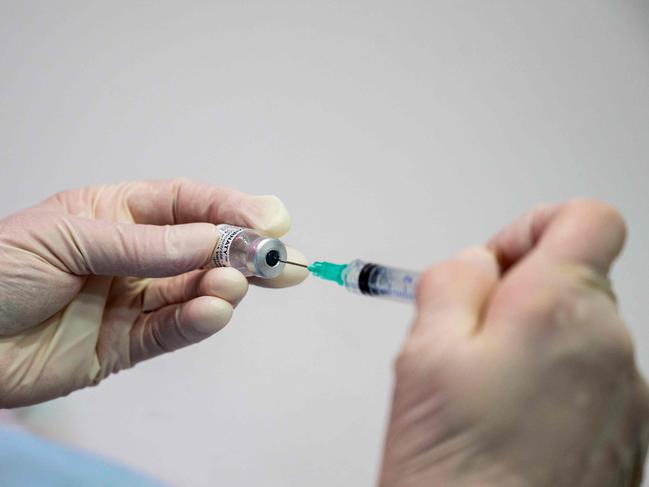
column 518, row 370
column 95, row 280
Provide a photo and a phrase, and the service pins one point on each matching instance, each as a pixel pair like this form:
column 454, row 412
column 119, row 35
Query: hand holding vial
column 98, row 279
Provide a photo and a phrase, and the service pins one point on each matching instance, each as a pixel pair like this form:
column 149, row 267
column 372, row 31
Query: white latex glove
column 518, row 370
column 95, row 280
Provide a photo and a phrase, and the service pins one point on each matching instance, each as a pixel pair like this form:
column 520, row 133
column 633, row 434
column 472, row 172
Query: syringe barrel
column 380, row 281
column 249, row 252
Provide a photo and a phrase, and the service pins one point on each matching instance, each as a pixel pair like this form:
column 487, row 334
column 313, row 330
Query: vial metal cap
column 264, row 257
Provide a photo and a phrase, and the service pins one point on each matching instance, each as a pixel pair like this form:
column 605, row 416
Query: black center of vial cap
column 272, row 258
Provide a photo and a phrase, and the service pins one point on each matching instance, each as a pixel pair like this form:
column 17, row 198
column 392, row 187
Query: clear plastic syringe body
column 379, row 280
column 369, row 279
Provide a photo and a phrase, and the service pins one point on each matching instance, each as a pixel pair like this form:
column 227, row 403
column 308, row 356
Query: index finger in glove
column 178, row 201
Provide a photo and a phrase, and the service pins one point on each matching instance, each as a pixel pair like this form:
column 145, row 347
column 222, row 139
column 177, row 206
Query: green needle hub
column 328, row 271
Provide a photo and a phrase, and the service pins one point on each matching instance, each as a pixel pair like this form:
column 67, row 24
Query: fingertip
column 479, row 255
column 429, row 281
column 204, row 316
column 514, row 241
column 292, row 275
column 598, row 222
column 454, row 280
column 226, row 283
column 270, row 216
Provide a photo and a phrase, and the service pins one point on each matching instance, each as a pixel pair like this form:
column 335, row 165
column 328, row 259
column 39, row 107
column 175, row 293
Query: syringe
column 369, row 279
column 256, row 255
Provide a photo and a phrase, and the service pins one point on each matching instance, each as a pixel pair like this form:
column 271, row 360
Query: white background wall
column 394, row 131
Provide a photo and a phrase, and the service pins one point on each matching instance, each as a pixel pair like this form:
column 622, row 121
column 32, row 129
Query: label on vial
column 228, row 233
